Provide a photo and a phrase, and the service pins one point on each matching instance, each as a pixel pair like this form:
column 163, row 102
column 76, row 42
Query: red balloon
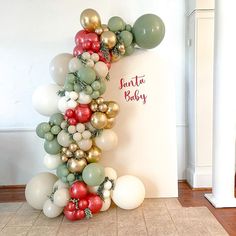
column 92, row 37
column 95, row 46
column 78, row 190
column 70, row 206
column 72, row 121
column 70, row 215
column 70, row 113
column 95, row 203
column 108, row 65
column 86, row 45
column 78, row 50
column 80, row 37
column 79, row 214
column 90, row 52
column 83, row 113
column 83, row 204
column 102, row 58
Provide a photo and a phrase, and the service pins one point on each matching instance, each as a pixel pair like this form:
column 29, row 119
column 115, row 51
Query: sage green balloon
column 70, row 78
column 103, row 87
column 88, row 90
column 93, row 174
column 128, row 27
column 149, row 31
column 116, row 24
column 95, row 95
column 87, row 75
column 49, row 136
column 56, row 118
column 129, row 50
column 77, row 88
column 56, row 129
column 60, row 169
column 96, row 85
column 52, row 147
column 68, row 86
column 126, row 37
column 39, row 131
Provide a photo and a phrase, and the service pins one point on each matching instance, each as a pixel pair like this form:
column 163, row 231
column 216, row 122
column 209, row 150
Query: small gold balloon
column 102, row 107
column 110, row 123
column 112, row 109
column 98, row 120
column 121, row 48
column 108, row 38
column 115, row 57
column 105, row 28
column 79, row 153
column 64, row 149
column 94, row 154
column 69, row 153
column 73, row 147
column 94, row 106
column 64, row 158
column 76, row 165
column 99, row 30
column 100, row 100
column 90, row 20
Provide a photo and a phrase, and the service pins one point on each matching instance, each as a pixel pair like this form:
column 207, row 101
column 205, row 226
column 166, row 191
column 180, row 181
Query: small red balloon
column 79, row 214
column 86, row 45
column 90, row 52
column 83, row 113
column 95, row 46
column 78, row 190
column 70, row 113
column 83, row 204
column 78, row 50
column 80, row 37
column 70, row 215
column 108, row 65
column 95, row 203
column 92, row 37
column 70, row 206
column 102, row 58
column 72, row 121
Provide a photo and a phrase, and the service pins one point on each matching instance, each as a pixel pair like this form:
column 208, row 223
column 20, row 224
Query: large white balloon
column 110, row 173
column 101, row 69
column 39, row 188
column 129, row 192
column 52, row 161
column 107, row 140
column 61, row 197
column 106, row 204
column 51, row 210
column 45, row 99
column 58, row 67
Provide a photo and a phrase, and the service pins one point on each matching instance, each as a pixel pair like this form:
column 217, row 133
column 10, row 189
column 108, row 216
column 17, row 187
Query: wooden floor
column 187, row 198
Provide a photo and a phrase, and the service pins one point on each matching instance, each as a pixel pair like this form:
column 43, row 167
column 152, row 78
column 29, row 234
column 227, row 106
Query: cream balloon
column 59, row 184
column 51, row 210
column 107, row 140
column 110, row 173
column 45, row 99
column 52, row 161
column 61, row 197
column 106, row 204
column 62, row 104
column 129, row 192
column 101, row 69
column 39, row 188
column 58, row 67
column 74, row 64
column 84, row 98
column 64, row 138
column 85, row 144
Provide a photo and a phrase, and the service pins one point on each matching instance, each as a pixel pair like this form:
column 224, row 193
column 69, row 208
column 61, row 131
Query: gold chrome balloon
column 121, row 48
column 112, row 109
column 76, row 165
column 108, row 38
column 94, row 154
column 64, row 158
column 100, row 100
column 69, row 153
column 115, row 57
column 73, row 147
column 105, row 28
column 90, row 20
column 99, row 30
column 64, row 149
column 79, row 153
column 98, row 120
column 102, row 107
column 93, row 106
column 110, row 123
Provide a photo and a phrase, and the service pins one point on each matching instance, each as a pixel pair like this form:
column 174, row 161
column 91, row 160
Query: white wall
column 32, row 33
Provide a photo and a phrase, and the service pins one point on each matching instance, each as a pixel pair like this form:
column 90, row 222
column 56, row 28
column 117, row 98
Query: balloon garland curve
column 80, row 124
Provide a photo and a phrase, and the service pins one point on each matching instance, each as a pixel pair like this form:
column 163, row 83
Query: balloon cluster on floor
column 80, row 121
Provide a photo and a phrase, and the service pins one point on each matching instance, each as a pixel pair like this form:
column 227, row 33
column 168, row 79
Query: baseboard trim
column 9, row 187
column 194, row 189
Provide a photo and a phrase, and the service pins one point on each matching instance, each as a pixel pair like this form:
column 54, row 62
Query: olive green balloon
column 96, row 85
column 128, row 27
column 95, row 95
column 93, row 174
column 126, row 37
column 116, row 24
column 52, row 147
column 87, row 75
column 56, row 118
column 149, row 31
column 129, row 50
column 39, row 131
column 70, row 78
column 88, row 90
column 102, row 87
column 77, row 88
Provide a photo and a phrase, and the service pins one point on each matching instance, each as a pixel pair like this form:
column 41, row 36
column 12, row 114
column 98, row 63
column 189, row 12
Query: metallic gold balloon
column 110, row 123
column 69, row 153
column 112, row 109
column 94, row 106
column 121, row 48
column 90, row 20
column 76, row 165
column 99, row 30
column 73, row 147
column 102, row 107
column 105, row 28
column 98, row 120
column 79, row 153
column 94, row 154
column 64, row 149
column 100, row 100
column 115, row 57
column 64, row 158
column 108, row 38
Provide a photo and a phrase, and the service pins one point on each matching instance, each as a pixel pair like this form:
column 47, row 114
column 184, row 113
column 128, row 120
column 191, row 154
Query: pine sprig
column 105, row 51
column 101, row 187
column 61, row 93
column 96, row 133
column 108, row 77
column 88, row 213
column 84, row 61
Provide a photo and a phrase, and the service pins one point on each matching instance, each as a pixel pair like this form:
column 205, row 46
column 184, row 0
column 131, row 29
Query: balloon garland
column 79, row 127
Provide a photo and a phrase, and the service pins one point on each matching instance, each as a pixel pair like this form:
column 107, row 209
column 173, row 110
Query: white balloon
column 73, row 95
column 72, row 129
column 71, row 104
column 106, row 204
column 85, row 144
column 110, row 173
column 129, row 192
column 108, row 185
column 64, row 138
column 86, row 55
column 45, row 99
column 62, row 104
column 39, row 188
column 101, row 69
column 107, row 140
column 106, row 193
column 92, row 189
column 77, row 136
column 95, row 57
column 59, row 184
column 51, row 210
column 61, row 197
column 84, row 98
column 74, row 64
column 52, row 161
column 58, row 67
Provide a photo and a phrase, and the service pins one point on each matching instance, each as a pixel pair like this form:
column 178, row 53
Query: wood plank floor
column 187, row 198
